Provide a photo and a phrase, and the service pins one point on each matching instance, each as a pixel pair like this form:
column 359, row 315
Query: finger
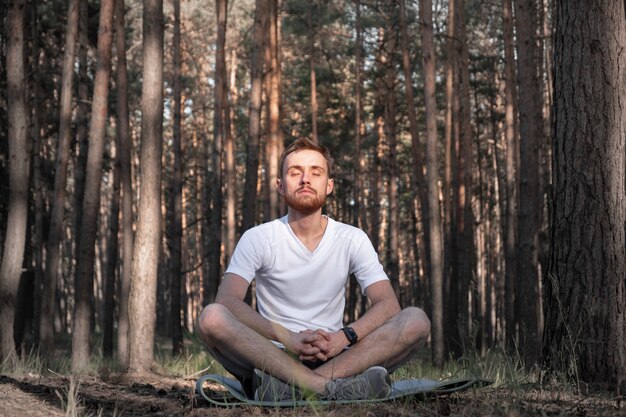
column 309, row 350
column 324, row 334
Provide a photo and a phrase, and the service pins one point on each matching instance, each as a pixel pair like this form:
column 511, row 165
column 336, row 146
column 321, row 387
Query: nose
column 305, row 178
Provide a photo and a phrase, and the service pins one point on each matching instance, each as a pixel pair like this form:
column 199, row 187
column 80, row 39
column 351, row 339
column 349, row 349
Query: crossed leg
column 241, row 349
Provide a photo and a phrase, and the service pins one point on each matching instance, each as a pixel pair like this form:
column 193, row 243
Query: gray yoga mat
column 234, row 395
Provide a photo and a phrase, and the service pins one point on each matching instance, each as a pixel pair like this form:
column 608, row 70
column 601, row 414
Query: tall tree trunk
column 275, row 136
column 586, row 294
column 359, row 126
column 125, row 147
column 175, row 232
column 19, row 170
column 512, row 146
column 450, row 132
column 462, row 230
column 416, row 147
column 83, row 308
column 432, row 174
column 142, row 300
column 393, row 231
column 37, row 183
column 55, row 233
column 231, row 174
column 111, row 255
column 82, row 129
column 221, row 127
column 531, row 132
column 312, row 78
column 254, row 123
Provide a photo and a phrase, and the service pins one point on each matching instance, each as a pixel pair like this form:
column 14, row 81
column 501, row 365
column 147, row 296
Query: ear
column 280, row 187
column 330, row 186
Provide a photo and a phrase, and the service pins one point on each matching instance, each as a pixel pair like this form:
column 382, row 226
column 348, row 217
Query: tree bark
column 432, row 174
column 55, row 233
column 231, row 174
column 312, row 78
column 142, row 300
column 420, row 185
column 528, row 306
column 125, row 147
column 462, row 227
column 83, row 308
column 450, row 133
column 175, row 229
column 585, row 288
column 359, row 126
column 512, row 148
column 254, row 123
column 275, row 136
column 393, row 263
column 19, row 170
column 111, row 261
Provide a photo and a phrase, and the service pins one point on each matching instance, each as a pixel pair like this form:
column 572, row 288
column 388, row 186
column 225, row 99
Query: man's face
column 305, row 183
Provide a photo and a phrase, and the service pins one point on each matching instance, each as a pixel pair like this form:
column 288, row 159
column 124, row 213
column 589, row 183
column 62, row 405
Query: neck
column 306, row 224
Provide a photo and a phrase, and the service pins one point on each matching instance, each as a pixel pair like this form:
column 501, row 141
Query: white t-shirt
column 300, row 289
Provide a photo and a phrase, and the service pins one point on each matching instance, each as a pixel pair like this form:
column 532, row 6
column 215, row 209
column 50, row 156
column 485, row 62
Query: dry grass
column 170, row 391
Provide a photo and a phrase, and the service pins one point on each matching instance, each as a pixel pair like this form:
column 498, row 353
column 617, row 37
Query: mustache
column 306, row 189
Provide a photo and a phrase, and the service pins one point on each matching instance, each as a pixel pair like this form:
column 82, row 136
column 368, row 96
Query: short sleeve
column 365, row 264
column 248, row 256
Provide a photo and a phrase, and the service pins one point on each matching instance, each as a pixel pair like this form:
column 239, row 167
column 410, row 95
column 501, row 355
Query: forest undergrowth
column 47, row 388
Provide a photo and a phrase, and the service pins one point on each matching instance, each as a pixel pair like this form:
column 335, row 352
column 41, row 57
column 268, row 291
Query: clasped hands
column 320, row 345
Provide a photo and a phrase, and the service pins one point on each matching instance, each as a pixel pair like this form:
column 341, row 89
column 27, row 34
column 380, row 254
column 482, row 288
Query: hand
column 303, row 345
column 331, row 344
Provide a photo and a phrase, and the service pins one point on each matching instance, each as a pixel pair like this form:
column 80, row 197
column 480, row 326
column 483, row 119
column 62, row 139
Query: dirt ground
column 118, row 395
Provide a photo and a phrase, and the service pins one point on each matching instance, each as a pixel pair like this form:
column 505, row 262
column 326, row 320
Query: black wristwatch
column 350, row 335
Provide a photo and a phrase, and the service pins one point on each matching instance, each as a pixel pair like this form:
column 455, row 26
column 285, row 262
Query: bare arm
column 231, row 293
column 384, row 305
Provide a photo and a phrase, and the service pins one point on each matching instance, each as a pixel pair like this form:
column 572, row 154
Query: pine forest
column 481, row 145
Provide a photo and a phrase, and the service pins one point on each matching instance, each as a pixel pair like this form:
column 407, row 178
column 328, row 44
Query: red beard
column 305, row 203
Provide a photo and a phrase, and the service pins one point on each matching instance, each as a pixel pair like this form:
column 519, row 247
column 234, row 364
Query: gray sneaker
column 273, row 389
column 373, row 383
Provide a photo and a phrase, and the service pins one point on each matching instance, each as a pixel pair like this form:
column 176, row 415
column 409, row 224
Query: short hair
column 305, row 143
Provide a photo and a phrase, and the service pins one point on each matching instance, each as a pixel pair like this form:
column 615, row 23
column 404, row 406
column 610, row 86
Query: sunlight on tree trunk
column 142, row 301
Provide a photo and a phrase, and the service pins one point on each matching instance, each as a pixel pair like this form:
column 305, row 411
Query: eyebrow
column 301, row 167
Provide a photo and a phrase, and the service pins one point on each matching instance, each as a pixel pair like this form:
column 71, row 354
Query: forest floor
column 111, row 394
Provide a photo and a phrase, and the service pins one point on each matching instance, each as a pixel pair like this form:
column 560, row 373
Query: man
column 297, row 342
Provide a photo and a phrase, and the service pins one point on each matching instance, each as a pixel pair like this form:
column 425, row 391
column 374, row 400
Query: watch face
column 350, row 335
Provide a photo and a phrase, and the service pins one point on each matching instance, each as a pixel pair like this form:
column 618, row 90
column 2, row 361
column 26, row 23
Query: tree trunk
column 221, row 126
column 124, row 149
column 312, row 78
column 55, row 233
column 359, row 126
column 175, row 210
column 111, row 256
column 142, row 300
column 19, row 170
column 432, row 174
column 393, row 266
column 420, row 185
column 275, row 136
column 254, row 123
column 83, row 308
column 450, row 132
column 231, row 174
column 512, row 146
column 462, row 228
column 531, row 132
column 586, row 308
column 36, row 172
